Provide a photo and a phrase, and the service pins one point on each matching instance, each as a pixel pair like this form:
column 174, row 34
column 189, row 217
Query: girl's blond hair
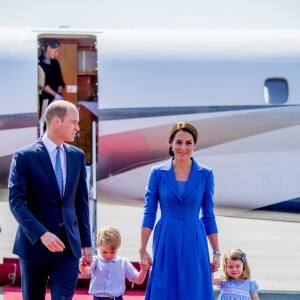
column 237, row 254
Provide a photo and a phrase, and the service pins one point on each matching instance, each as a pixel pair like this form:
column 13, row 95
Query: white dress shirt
column 51, row 147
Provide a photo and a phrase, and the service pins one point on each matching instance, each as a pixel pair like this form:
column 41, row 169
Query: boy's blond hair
column 109, row 236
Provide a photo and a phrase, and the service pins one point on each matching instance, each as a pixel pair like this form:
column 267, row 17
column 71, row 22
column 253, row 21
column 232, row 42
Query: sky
column 200, row 14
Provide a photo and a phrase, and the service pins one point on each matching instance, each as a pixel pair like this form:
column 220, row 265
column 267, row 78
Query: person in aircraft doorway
column 51, row 82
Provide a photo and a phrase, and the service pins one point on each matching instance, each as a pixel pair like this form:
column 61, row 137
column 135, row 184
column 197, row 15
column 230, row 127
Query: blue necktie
column 58, row 171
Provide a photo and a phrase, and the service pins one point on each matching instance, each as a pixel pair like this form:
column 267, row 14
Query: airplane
column 238, row 87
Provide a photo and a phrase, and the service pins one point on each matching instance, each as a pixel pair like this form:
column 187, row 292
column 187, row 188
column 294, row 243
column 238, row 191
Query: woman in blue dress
column 183, row 188
column 236, row 284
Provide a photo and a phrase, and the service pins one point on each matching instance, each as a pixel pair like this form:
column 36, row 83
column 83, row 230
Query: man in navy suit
column 51, row 209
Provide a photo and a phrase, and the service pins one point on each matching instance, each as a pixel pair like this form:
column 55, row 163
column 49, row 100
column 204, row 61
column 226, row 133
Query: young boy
column 108, row 270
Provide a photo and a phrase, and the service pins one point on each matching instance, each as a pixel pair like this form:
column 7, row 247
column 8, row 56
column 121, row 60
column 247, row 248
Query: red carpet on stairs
column 14, row 293
column 10, row 281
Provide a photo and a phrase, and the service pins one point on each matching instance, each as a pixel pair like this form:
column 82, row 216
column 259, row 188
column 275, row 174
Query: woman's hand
column 215, row 264
column 145, row 259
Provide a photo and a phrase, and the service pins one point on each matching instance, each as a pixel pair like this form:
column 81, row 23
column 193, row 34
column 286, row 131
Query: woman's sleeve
column 208, row 215
column 151, row 200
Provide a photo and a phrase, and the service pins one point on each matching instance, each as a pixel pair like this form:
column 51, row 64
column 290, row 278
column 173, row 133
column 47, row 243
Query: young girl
column 236, row 283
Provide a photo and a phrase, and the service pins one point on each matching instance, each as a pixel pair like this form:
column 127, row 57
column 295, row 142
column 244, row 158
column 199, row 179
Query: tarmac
column 271, row 241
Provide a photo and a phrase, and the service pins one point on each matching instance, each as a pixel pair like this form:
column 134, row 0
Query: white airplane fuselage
column 239, row 88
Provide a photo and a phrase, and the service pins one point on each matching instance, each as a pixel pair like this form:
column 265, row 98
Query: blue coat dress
column 181, row 263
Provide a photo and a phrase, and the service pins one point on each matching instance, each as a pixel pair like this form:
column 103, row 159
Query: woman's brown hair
column 182, row 126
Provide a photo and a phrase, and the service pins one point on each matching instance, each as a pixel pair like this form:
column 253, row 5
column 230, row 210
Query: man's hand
column 87, row 256
column 52, row 242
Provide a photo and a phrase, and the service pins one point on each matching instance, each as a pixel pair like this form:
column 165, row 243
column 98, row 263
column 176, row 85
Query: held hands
column 145, row 261
column 145, row 265
column 52, row 242
column 86, row 260
column 215, row 264
column 87, row 257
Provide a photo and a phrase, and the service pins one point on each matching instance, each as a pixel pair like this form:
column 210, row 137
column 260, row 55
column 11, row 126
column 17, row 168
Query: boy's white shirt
column 108, row 277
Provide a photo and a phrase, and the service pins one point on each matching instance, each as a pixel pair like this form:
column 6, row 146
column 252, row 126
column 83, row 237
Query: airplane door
column 78, row 62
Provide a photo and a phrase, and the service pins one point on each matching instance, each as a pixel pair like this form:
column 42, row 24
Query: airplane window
column 276, row 91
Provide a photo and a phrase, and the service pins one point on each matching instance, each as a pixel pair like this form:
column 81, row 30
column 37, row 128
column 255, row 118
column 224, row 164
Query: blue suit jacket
column 36, row 204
